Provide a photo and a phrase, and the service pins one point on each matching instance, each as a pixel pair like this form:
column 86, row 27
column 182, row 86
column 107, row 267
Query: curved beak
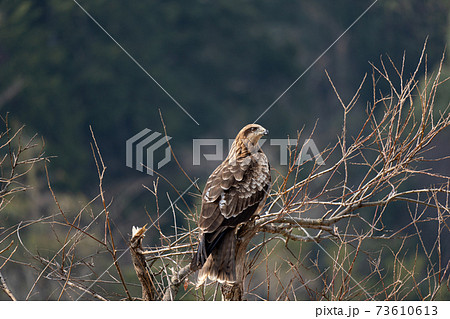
column 262, row 131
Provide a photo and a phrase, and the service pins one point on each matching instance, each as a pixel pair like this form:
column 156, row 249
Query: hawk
column 235, row 191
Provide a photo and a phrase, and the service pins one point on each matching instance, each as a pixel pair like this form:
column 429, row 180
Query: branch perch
column 140, row 265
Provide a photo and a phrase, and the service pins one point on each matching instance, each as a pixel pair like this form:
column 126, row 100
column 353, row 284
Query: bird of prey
column 235, row 191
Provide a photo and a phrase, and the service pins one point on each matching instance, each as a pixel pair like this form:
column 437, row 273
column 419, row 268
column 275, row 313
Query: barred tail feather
column 200, row 257
column 221, row 263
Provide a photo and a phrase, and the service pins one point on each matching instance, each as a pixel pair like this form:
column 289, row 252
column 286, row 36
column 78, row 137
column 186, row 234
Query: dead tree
column 321, row 236
column 399, row 128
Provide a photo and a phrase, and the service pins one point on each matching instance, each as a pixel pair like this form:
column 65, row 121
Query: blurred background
column 224, row 61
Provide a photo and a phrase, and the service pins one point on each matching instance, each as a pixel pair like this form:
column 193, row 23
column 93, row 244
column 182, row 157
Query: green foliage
column 224, row 61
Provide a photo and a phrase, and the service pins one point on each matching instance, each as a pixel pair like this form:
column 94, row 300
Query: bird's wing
column 234, row 191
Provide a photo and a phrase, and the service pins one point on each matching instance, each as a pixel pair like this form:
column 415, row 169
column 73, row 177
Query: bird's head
column 250, row 135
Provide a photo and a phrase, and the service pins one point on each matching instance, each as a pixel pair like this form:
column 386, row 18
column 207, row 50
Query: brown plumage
column 234, row 192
